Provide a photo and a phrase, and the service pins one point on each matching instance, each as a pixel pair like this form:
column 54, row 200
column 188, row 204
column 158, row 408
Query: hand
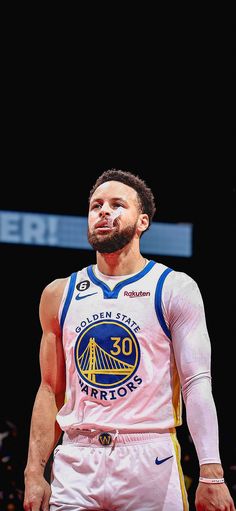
column 213, row 497
column 37, row 494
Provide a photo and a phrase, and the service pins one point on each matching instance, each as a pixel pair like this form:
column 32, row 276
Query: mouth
column 104, row 226
column 103, row 230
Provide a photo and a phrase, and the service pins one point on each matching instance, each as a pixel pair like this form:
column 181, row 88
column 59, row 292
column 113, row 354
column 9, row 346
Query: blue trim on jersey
column 158, row 306
column 113, row 293
column 68, row 298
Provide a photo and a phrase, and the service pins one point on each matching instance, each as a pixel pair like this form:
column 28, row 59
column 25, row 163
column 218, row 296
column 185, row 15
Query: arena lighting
column 170, row 239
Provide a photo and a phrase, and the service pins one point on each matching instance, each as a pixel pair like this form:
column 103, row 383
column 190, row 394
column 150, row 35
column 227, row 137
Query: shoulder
column 52, row 295
column 181, row 286
column 181, row 279
column 55, row 289
column 172, row 277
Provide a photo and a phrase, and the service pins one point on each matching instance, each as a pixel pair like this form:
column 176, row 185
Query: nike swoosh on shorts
column 159, row 462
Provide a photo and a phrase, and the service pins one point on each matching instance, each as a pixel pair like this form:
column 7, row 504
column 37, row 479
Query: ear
column 143, row 222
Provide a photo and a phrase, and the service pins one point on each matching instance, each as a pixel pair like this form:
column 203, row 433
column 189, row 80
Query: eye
column 118, row 205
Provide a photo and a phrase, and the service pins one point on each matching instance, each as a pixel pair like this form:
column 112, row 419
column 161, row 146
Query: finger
column 45, row 504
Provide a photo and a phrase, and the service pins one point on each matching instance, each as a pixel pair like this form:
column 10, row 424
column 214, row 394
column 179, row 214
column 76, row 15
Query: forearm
column 44, row 430
column 202, row 422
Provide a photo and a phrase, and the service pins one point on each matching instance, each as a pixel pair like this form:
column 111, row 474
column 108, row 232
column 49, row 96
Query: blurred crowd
column 12, row 462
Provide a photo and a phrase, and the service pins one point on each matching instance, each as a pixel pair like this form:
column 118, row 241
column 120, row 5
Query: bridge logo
column 107, row 354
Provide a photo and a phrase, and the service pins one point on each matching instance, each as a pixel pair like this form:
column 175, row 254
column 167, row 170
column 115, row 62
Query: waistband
column 107, row 438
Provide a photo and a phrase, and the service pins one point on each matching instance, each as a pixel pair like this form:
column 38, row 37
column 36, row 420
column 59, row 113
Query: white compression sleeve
column 202, row 419
column 184, row 313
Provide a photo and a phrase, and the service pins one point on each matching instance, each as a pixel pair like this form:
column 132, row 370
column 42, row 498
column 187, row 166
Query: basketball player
column 122, row 341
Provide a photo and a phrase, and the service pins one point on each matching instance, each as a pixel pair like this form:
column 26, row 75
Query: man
column 120, row 340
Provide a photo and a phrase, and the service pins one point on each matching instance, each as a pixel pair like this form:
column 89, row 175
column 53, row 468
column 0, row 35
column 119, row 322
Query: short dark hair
column 145, row 195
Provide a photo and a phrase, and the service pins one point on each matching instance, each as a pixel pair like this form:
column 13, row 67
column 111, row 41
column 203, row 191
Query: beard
column 111, row 242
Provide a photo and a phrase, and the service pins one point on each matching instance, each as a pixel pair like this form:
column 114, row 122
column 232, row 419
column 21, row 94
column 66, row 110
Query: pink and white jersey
column 122, row 344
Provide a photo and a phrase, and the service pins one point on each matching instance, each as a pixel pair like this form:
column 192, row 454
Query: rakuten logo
column 135, row 294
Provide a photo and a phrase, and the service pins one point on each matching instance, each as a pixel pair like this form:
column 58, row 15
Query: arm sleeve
column 185, row 316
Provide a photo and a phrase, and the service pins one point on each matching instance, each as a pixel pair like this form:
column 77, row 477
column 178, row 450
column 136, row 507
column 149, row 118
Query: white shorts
column 136, row 472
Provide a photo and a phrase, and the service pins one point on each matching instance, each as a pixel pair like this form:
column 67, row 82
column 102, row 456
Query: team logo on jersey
column 105, row 438
column 107, row 354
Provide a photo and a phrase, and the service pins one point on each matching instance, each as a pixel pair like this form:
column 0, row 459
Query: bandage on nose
column 113, row 216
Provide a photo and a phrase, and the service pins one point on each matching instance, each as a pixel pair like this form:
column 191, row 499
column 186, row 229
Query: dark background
column 166, row 116
column 27, row 269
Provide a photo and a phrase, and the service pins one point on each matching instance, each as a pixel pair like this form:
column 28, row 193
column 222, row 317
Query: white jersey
column 122, row 345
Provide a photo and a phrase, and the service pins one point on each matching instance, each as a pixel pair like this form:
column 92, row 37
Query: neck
column 122, row 262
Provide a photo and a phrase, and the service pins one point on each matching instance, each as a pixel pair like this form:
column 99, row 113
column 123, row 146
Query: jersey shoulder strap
column 158, row 305
column 70, row 291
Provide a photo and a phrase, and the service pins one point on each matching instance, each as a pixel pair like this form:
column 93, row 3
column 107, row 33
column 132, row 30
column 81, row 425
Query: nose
column 105, row 210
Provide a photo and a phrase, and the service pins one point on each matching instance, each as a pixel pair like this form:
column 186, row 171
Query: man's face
column 107, row 232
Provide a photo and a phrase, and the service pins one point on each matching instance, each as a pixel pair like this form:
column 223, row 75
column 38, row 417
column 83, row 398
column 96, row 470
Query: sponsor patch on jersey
column 107, row 354
column 136, row 294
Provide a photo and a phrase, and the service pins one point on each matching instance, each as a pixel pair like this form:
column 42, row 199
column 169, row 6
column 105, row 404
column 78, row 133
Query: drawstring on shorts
column 114, row 441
